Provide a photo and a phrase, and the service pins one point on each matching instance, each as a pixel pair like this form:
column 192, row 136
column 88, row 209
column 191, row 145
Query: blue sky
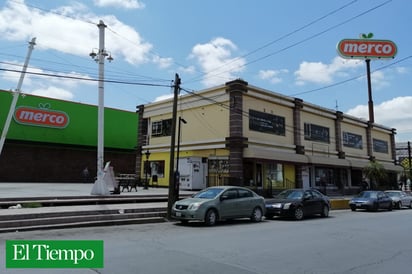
column 287, row 47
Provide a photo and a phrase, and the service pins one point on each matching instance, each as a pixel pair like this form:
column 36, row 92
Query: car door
column 384, row 200
column 246, row 202
column 405, row 199
column 229, row 204
column 309, row 203
column 317, row 202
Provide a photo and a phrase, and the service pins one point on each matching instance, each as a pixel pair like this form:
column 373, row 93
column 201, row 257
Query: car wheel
column 325, row 211
column 410, row 205
column 298, row 213
column 256, row 214
column 184, row 222
column 399, row 205
column 390, row 207
column 353, row 208
column 210, row 217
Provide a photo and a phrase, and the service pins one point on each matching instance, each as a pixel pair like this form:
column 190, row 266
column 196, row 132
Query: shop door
column 259, row 181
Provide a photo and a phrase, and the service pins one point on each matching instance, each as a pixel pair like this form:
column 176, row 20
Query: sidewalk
column 22, row 190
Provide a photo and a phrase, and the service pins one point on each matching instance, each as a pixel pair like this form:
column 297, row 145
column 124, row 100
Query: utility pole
column 409, row 158
column 370, row 101
column 100, row 187
column 172, row 181
column 16, row 94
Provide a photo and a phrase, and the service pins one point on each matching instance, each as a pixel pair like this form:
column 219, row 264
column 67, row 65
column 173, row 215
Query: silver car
column 220, row 203
column 400, row 198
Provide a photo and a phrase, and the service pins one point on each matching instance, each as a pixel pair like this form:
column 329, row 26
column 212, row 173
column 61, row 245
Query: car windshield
column 290, row 194
column 209, row 193
column 367, row 194
column 393, row 194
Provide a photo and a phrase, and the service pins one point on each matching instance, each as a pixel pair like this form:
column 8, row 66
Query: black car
column 298, row 203
column 371, row 200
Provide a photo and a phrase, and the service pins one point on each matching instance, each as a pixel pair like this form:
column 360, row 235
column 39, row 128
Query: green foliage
column 32, row 205
column 375, row 172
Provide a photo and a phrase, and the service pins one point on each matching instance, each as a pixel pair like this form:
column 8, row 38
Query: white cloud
column 54, row 92
column 128, row 4
column 320, row 73
column 162, row 62
column 272, row 76
column 75, row 33
column 394, row 113
column 216, row 61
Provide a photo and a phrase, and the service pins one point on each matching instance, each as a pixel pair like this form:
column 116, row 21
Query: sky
column 288, row 47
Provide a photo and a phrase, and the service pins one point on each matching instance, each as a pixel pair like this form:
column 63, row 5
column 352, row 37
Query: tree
column 375, row 172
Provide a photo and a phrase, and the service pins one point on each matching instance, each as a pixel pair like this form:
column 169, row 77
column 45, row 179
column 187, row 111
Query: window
column 352, row 140
column 266, row 122
column 243, row 193
column 380, row 146
column 162, row 128
column 316, row 133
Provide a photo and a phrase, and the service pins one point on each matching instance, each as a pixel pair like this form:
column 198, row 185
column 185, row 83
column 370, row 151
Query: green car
column 220, row 203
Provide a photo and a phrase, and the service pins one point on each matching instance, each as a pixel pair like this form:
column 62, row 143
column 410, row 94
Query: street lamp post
column 147, row 166
column 100, row 188
column 177, row 175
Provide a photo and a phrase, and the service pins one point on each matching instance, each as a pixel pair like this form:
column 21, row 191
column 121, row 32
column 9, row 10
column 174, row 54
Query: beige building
column 244, row 135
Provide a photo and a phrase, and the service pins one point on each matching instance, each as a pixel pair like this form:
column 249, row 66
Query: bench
column 127, row 181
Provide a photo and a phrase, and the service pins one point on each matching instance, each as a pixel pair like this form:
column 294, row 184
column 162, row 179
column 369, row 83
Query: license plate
column 358, row 205
column 178, row 214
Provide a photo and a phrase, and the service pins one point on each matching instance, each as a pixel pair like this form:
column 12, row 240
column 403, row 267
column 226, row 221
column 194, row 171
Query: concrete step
column 80, row 216
column 85, row 224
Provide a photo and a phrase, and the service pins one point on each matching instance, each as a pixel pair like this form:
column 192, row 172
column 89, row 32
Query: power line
column 303, row 40
column 351, row 79
column 282, row 37
column 86, row 79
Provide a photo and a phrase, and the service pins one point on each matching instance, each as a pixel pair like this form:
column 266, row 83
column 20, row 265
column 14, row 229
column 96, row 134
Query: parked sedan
column 220, row 203
column 298, row 203
column 371, row 200
column 400, row 198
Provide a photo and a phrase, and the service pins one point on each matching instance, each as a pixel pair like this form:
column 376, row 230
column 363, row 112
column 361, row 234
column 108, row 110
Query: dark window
column 267, row 123
column 316, row 133
column 352, row 140
column 243, row 193
column 380, row 146
column 162, row 128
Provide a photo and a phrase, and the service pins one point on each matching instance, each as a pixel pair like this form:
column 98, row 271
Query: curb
column 339, row 204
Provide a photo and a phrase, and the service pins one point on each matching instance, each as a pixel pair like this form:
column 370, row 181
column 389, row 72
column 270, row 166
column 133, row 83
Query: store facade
column 248, row 136
column 52, row 140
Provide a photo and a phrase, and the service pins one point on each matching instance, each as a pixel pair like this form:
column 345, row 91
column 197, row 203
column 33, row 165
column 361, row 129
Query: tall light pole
column 100, row 188
column 177, row 175
column 16, row 95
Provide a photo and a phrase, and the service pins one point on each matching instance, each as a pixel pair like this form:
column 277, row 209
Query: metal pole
column 370, row 101
column 409, row 158
column 16, row 95
column 100, row 186
column 177, row 175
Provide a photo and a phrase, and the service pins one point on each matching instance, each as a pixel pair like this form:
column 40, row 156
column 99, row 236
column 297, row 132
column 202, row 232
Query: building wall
column 272, row 139
column 36, row 151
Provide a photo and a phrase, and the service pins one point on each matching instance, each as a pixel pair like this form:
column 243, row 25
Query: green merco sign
column 40, row 119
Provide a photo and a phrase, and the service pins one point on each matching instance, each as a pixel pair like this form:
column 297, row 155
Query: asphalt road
column 346, row 242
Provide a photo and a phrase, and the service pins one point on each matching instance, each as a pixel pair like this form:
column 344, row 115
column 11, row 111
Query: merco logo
column 366, row 48
column 54, row 254
column 41, row 116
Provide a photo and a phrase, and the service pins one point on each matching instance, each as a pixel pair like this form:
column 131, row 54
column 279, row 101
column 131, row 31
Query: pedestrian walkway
column 24, row 190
